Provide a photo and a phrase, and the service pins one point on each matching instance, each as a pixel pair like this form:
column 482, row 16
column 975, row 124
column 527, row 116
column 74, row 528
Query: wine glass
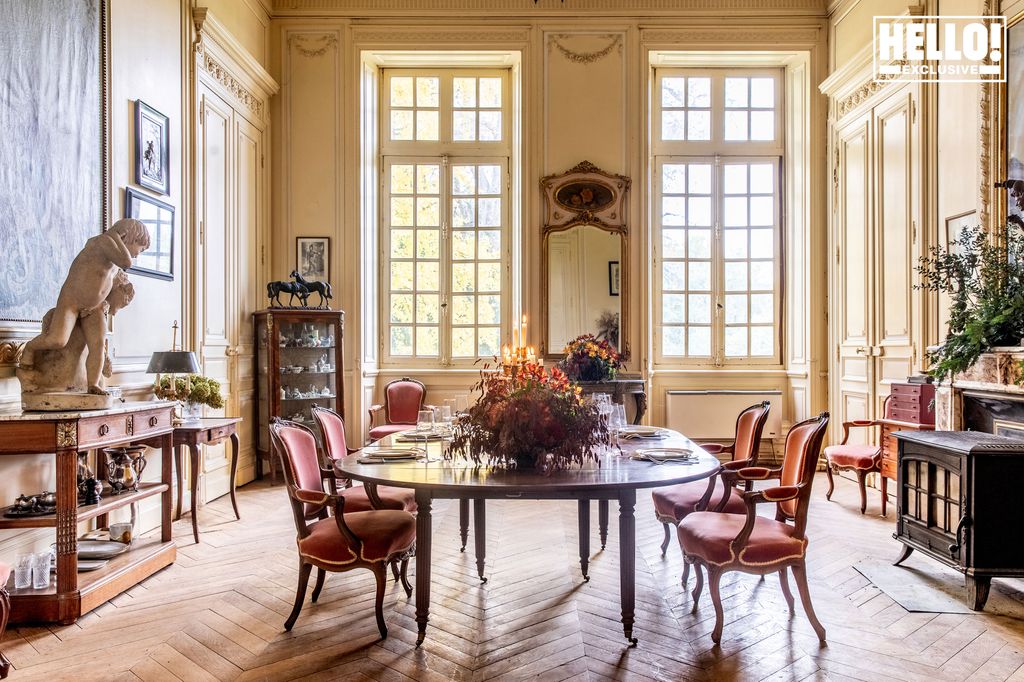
column 425, row 421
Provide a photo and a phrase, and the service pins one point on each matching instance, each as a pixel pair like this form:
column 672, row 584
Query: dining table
column 435, row 471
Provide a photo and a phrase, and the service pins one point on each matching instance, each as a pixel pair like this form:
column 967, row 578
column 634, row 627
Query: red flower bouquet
column 530, row 419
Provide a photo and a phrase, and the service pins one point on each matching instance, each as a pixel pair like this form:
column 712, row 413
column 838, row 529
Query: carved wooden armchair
column 862, row 459
column 5, row 611
column 673, row 504
column 403, row 399
column 339, row 541
column 723, row 542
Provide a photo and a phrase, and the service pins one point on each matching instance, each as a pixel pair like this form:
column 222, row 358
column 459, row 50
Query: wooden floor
column 218, row 612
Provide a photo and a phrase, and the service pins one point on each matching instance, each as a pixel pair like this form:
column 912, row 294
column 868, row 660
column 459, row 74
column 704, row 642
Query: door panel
column 852, row 304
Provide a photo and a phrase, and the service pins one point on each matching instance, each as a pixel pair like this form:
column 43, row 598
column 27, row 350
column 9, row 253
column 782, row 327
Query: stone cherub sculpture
column 63, row 368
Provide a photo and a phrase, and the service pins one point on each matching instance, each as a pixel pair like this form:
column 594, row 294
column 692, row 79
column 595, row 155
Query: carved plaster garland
column 229, row 82
column 586, row 57
column 327, row 41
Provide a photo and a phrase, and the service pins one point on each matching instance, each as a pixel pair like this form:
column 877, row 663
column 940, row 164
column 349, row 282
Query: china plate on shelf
column 662, row 455
column 84, row 565
column 100, row 549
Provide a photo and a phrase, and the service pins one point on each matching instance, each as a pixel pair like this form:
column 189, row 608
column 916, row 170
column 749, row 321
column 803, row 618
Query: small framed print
column 152, row 147
column 312, row 258
column 158, row 259
column 613, row 278
column 955, row 225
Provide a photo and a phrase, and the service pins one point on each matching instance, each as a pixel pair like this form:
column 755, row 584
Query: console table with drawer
column 64, row 435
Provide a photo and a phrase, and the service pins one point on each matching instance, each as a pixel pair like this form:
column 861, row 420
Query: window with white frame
column 716, row 216
column 445, row 245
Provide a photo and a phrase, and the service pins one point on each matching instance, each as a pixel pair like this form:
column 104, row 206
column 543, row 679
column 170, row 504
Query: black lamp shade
column 173, row 362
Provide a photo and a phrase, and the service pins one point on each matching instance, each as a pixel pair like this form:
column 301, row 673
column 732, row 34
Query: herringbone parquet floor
column 217, row 614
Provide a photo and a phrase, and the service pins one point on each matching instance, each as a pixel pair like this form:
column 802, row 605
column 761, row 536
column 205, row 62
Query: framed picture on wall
column 158, row 259
column 313, row 258
column 955, row 225
column 613, row 278
column 152, row 148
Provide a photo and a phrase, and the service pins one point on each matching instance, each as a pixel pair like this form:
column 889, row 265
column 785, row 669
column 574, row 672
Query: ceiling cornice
column 548, row 8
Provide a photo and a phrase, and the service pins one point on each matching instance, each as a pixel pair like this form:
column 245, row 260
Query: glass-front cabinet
column 298, row 365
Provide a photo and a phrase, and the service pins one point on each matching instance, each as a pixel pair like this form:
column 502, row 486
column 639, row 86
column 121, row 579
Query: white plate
column 394, row 453
column 665, row 455
column 640, row 430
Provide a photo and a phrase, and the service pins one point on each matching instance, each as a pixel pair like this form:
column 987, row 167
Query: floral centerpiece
column 529, row 418
column 588, row 358
column 194, row 390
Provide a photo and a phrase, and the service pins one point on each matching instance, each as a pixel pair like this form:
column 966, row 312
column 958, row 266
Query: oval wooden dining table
column 616, row 476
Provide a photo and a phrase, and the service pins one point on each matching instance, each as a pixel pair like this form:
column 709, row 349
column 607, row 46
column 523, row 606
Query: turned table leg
column 602, row 521
column 627, row 561
column 464, row 522
column 424, row 528
column 583, row 517
column 480, row 535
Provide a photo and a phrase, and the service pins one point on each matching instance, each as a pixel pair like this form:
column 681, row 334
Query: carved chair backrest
column 296, row 445
column 403, row 399
column 800, row 461
column 749, row 425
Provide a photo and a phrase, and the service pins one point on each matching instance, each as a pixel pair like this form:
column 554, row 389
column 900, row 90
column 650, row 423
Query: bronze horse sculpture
column 322, row 288
column 296, row 288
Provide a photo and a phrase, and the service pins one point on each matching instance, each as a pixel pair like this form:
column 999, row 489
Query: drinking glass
column 618, row 416
column 41, row 570
column 425, row 421
column 23, row 571
column 446, row 413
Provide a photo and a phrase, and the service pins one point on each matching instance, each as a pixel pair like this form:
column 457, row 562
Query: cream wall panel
column 247, row 20
column 852, row 29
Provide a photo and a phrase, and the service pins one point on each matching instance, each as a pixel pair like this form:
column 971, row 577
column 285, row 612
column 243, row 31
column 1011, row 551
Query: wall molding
column 547, row 7
column 440, row 35
column 614, row 40
column 322, row 41
column 761, row 35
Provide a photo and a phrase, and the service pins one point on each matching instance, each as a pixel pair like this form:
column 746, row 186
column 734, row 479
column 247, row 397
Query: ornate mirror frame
column 585, row 195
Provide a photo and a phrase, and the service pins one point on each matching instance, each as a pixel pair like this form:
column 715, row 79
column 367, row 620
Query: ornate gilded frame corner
column 586, row 195
column 993, row 109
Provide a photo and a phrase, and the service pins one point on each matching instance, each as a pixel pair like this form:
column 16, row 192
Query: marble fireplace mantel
column 995, row 374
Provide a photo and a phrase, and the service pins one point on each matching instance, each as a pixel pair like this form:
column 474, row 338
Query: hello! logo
column 943, row 48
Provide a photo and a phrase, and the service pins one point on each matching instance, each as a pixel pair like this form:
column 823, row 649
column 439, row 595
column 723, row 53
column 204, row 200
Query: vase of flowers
column 588, row 358
column 193, row 391
column 529, row 419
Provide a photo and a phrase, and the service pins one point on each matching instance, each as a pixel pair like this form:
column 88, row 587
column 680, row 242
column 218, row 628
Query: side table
column 191, row 435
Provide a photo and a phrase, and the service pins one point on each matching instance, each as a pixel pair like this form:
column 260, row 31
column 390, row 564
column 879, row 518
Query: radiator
column 704, row 415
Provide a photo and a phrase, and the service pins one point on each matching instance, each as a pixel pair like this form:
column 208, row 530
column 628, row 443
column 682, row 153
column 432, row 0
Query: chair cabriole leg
column 800, row 573
column 321, row 575
column 861, row 475
column 668, row 538
column 686, row 570
column 714, row 578
column 381, row 574
column 699, row 587
column 300, row 593
column 405, row 577
column 831, row 482
column 784, row 582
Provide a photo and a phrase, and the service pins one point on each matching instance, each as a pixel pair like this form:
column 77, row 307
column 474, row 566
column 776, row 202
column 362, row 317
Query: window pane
column 490, row 212
column 673, row 244
column 762, row 178
column 673, row 308
column 464, row 92
column 401, row 308
column 735, row 276
column 734, row 244
column 673, row 178
column 672, row 92
column 488, row 343
column 463, row 277
column 674, row 276
column 463, row 245
column 401, row 243
column 428, row 243
column 673, row 340
column 428, row 211
column 673, row 125
column 401, row 124
column 427, row 178
column 464, row 125
column 762, row 275
column 700, row 309
column 401, row 340
column 489, row 244
column 401, row 179
column 463, row 213
column 462, row 309
column 489, row 277
column 762, row 125
column 700, row 178
column 735, row 211
column 463, row 342
column 673, row 211
column 489, row 309
column 762, row 340
column 401, row 211
column 700, row 341
column 735, row 92
column 761, row 308
column 735, row 341
column 401, row 276
column 762, row 93
column 426, row 125
column 427, row 276
column 427, row 91
column 490, row 92
column 426, row 308
column 698, row 125
column 699, row 243
column 490, row 179
column 699, row 93
column 490, row 126
column 761, row 244
column 736, row 308
column 736, row 125
column 463, row 180
column 700, row 211
column 734, row 179
column 700, row 276
column 762, row 211
column 427, row 341
column 401, row 91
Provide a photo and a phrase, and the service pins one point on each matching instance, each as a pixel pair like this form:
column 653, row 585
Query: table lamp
column 173, row 362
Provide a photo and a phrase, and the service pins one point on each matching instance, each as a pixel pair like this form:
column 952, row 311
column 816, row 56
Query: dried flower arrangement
column 529, row 419
column 588, row 358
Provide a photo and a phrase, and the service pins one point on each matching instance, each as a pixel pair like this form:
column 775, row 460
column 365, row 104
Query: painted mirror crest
column 584, row 260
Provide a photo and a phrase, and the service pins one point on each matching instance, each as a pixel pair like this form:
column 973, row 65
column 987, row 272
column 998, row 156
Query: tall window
column 717, row 218
column 445, row 214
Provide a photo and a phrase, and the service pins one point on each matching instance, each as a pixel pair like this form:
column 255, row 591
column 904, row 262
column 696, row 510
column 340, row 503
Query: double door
column 876, row 214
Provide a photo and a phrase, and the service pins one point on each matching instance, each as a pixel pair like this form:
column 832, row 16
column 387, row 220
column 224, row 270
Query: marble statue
column 65, row 366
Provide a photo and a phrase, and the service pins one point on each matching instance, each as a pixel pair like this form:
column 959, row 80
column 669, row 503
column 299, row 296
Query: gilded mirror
column 584, row 259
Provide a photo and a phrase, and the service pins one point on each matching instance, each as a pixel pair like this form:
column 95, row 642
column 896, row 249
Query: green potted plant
column 985, row 281
column 193, row 390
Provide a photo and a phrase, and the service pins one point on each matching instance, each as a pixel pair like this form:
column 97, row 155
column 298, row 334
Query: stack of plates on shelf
column 633, row 432
column 384, row 455
column 662, row 455
column 94, row 554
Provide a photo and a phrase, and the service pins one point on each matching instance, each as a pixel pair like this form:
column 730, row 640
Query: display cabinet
column 299, row 363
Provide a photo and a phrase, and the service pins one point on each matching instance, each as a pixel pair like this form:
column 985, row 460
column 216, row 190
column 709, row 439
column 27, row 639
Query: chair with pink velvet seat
column 403, row 399
column 673, row 504
column 337, row 541
column 721, row 542
column 5, row 611
column 860, row 458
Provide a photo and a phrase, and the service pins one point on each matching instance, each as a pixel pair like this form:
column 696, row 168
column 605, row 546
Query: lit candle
column 522, row 331
column 515, row 339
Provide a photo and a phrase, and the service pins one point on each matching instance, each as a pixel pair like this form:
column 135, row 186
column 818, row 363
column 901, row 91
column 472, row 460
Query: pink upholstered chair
column 673, row 504
column 403, row 399
column 339, row 541
column 862, row 459
column 722, row 542
column 5, row 611
column 361, row 497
